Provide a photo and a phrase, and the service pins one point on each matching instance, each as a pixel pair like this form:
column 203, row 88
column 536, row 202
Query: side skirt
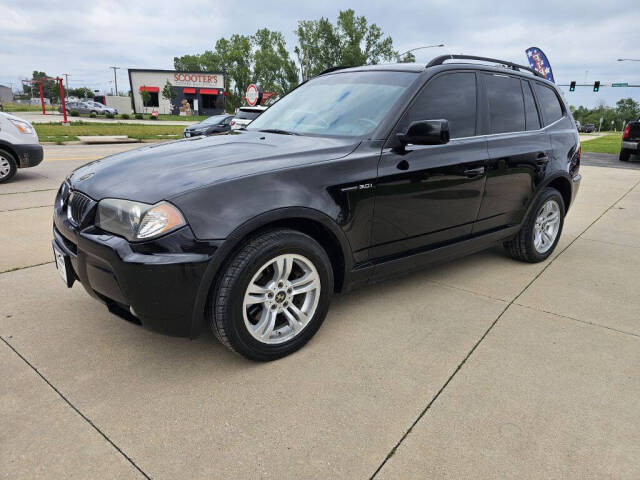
column 384, row 269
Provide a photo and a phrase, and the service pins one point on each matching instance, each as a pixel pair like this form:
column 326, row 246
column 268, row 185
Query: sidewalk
column 484, row 367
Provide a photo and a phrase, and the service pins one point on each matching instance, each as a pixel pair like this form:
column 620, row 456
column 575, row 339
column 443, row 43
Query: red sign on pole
column 253, row 95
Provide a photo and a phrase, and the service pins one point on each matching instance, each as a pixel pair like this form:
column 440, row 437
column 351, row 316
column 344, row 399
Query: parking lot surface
column 484, row 367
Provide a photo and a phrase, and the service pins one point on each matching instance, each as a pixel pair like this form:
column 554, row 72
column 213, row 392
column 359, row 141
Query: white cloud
column 85, row 38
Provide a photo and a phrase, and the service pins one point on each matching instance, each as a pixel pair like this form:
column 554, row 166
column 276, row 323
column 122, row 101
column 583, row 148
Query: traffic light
column 596, row 87
column 572, row 87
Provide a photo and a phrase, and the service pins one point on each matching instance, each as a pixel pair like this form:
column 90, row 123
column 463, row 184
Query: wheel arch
column 9, row 148
column 312, row 222
column 563, row 185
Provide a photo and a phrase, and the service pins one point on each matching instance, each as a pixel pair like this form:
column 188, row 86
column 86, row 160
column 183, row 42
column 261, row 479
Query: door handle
column 474, row 172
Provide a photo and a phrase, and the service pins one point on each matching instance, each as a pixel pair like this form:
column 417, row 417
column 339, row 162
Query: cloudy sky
column 583, row 39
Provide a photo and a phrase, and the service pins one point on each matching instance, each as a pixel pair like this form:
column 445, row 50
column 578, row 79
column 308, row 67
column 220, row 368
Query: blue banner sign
column 539, row 62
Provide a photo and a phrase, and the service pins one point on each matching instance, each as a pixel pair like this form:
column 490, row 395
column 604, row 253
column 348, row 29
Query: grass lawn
column 604, row 144
column 19, row 107
column 54, row 132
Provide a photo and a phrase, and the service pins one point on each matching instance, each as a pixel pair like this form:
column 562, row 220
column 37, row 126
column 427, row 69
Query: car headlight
column 24, row 127
column 138, row 221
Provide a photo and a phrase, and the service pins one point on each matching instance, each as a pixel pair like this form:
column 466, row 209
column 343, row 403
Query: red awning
column 208, row 91
column 189, row 90
column 149, row 89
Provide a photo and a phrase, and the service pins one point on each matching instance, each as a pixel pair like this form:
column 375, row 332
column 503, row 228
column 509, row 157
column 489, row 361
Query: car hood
column 160, row 171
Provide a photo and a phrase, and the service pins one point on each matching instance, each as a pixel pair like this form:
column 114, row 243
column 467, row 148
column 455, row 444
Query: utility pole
column 115, row 78
column 66, row 82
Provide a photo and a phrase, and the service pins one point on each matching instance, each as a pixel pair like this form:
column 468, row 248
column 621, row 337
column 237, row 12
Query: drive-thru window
column 202, row 91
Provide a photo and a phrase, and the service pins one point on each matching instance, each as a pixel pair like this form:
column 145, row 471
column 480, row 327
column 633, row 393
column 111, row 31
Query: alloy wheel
column 547, row 226
column 281, row 298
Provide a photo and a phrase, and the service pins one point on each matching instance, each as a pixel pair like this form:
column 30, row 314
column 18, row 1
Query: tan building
column 202, row 91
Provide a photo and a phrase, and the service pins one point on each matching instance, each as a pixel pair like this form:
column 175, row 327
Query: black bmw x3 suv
column 356, row 175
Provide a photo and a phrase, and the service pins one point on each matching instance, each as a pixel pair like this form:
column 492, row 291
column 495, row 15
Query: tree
column 627, row 109
column 232, row 56
column 50, row 88
column 169, row 94
column 273, row 69
column 261, row 58
column 408, row 58
column 352, row 41
column 82, row 92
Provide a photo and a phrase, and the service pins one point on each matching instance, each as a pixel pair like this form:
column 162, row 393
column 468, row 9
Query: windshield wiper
column 278, row 131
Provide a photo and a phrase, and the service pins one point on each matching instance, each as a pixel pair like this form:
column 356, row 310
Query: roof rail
column 333, row 69
column 514, row 66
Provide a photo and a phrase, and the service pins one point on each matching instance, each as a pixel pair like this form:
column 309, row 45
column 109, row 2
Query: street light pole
column 115, row 79
column 399, row 56
column 629, row 59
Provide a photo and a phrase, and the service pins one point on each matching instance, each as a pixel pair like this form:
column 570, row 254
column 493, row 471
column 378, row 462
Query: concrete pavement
column 480, row 368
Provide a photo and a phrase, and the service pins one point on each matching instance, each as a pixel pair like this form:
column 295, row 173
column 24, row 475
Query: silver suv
column 19, row 146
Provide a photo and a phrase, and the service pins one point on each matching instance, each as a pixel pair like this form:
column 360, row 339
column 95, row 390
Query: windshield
column 215, row 119
column 345, row 104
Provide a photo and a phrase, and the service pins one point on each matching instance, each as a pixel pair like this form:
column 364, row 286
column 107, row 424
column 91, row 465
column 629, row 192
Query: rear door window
column 549, row 103
column 452, row 97
column 506, row 105
column 531, row 112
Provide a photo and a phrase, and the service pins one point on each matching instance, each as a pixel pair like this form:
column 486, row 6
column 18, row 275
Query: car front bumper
column 28, row 155
column 158, row 284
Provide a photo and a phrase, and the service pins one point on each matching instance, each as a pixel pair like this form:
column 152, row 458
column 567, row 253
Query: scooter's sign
column 197, row 80
column 539, row 62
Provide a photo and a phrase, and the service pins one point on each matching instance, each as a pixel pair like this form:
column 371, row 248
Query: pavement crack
column 484, row 335
column 82, row 415
column 586, row 322
column 26, row 208
column 15, row 269
column 30, row 191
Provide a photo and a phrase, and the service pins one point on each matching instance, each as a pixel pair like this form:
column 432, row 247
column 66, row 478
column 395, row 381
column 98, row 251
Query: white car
column 246, row 115
column 19, row 146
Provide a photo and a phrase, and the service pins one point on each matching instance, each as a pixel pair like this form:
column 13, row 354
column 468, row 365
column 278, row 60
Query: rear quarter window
column 549, row 103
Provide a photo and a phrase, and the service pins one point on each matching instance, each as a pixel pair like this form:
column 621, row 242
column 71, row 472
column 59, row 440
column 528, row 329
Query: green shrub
column 74, row 113
column 92, row 115
column 109, row 115
column 124, row 116
column 152, row 117
column 139, row 116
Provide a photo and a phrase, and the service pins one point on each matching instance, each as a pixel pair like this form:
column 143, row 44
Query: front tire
column 272, row 296
column 541, row 230
column 8, row 166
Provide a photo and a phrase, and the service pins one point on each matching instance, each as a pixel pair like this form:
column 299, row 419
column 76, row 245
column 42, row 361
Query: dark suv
column 356, row 175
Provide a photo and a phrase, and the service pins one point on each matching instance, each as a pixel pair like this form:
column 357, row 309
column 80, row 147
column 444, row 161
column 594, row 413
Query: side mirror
column 426, row 132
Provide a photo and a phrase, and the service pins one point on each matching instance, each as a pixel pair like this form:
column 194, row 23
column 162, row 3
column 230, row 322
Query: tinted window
column 506, row 105
column 549, row 103
column 451, row 97
column 247, row 114
column 531, row 113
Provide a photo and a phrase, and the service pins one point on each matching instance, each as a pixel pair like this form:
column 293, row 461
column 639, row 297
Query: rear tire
column 254, row 308
column 541, row 230
column 625, row 155
column 8, row 166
